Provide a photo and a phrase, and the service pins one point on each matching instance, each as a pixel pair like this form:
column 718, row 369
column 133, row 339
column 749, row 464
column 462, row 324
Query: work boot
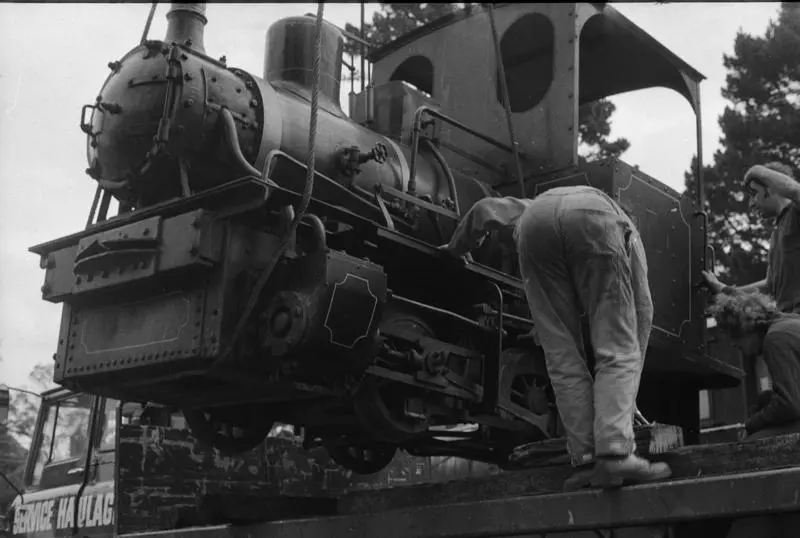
column 582, row 478
column 612, row 473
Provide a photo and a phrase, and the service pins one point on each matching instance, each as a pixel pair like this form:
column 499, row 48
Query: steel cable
column 309, row 187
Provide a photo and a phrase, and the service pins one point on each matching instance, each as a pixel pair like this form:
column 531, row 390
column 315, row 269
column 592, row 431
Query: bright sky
column 53, row 60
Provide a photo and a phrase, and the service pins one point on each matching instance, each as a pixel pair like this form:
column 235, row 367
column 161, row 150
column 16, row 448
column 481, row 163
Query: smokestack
column 185, row 25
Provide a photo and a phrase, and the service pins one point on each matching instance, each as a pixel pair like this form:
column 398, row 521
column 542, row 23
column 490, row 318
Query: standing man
column 580, row 253
column 775, row 194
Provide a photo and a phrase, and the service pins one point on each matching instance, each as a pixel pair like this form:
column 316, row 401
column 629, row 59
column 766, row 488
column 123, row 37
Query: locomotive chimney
column 185, row 25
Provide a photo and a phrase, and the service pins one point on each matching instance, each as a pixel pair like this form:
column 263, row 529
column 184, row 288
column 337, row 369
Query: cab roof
column 647, row 63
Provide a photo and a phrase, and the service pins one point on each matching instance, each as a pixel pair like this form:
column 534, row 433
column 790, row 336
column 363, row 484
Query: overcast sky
column 53, row 60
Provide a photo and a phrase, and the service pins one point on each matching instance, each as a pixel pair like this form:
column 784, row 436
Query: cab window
column 64, row 441
column 108, row 431
column 106, row 443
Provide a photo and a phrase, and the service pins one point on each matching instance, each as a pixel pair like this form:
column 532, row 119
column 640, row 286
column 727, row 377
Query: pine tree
column 395, row 20
column 760, row 124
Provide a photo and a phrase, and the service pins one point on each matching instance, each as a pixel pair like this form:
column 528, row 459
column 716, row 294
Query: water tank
column 289, row 55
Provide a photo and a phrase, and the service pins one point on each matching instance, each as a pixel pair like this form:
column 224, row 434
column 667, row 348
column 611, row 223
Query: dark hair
column 741, row 313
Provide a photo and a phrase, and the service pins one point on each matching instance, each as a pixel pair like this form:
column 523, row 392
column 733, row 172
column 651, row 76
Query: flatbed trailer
column 667, row 505
column 712, row 486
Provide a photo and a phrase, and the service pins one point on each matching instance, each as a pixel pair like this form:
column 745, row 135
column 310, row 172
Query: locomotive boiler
column 274, row 258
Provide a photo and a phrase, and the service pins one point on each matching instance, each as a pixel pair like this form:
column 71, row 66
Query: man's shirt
column 502, row 214
column 783, row 271
column 486, row 215
column 781, row 354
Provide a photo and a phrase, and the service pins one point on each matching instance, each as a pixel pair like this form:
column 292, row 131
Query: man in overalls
column 580, row 253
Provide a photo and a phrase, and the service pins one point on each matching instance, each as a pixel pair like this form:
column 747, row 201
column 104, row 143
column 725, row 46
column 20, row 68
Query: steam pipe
column 186, row 25
column 415, row 136
column 233, row 143
column 451, row 182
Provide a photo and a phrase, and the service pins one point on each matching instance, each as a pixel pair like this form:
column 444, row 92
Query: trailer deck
column 720, row 482
column 664, row 503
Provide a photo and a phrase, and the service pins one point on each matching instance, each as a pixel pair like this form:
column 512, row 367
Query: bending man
column 580, row 253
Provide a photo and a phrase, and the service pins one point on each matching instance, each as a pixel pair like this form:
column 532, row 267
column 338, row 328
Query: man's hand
column 530, row 337
column 713, row 282
column 466, row 258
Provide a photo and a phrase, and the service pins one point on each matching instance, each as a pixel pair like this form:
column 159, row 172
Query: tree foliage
column 761, row 123
column 24, row 406
column 21, row 419
column 594, row 127
column 395, row 20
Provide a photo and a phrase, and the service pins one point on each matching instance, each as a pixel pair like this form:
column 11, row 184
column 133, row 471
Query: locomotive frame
column 164, row 301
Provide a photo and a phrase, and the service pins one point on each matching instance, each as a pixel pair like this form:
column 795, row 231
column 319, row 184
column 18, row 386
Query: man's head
column 768, row 203
column 745, row 318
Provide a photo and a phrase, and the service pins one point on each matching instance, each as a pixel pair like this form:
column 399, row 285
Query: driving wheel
column 380, row 404
column 524, row 382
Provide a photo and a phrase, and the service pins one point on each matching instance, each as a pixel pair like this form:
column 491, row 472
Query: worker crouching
column 580, row 253
column 756, row 326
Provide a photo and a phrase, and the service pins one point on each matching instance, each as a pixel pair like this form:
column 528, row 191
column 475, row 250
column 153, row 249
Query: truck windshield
column 65, row 433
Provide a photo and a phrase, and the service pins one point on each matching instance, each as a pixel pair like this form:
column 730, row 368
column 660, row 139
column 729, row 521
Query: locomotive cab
column 247, row 280
column 557, row 58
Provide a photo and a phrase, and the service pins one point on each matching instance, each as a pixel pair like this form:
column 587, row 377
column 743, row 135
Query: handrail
column 425, row 109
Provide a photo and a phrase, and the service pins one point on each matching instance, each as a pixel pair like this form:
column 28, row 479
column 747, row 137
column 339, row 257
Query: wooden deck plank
column 683, row 500
column 686, row 462
column 163, row 472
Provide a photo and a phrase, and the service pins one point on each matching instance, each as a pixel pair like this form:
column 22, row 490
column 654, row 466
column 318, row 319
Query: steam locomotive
column 245, row 287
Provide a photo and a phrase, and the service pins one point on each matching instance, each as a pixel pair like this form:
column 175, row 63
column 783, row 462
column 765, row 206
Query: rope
column 309, row 187
column 506, row 101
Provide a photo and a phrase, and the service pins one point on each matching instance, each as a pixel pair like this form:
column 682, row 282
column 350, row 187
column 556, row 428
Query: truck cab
column 146, row 471
column 59, row 493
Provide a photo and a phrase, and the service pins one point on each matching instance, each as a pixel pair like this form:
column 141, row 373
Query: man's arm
column 761, row 286
column 784, row 368
column 486, row 215
column 782, row 184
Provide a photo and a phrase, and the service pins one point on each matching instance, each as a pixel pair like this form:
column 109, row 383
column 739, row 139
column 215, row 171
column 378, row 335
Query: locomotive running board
column 248, row 190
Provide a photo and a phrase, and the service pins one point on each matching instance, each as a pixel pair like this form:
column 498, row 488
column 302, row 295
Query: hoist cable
column 506, row 102
column 309, row 187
